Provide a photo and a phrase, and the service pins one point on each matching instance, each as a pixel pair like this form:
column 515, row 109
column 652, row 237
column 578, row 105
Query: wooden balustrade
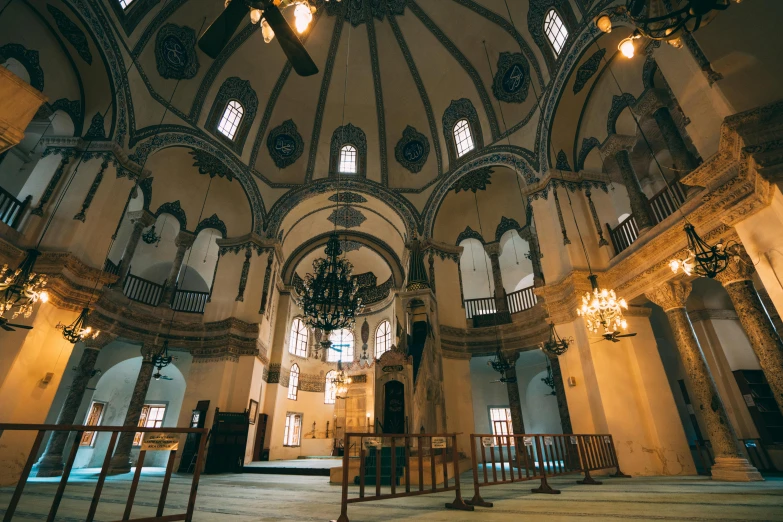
column 624, row 235
column 189, row 301
column 11, row 209
column 480, row 306
column 142, row 290
column 521, row 300
column 667, row 201
column 111, row 268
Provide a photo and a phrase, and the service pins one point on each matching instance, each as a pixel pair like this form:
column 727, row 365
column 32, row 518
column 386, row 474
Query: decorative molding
column 505, row 225
column 588, row 68
column 459, row 110
column 469, row 233
column 265, row 290
column 348, row 245
column 708, row 314
column 243, row 275
column 82, row 214
column 566, row 241
column 29, row 58
column 67, row 155
column 380, row 111
column 131, row 17
column 356, row 12
column 72, row 33
column 212, row 222
column 602, row 241
column 412, row 150
column 474, row 180
column 348, row 134
column 619, row 104
column 347, row 197
column 561, row 162
column 209, row 165
column 347, row 217
column 588, row 144
column 97, row 129
column 512, row 78
column 175, row 52
column 285, row 144
column 233, row 88
column 174, row 209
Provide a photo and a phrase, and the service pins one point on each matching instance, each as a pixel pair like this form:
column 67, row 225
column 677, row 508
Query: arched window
column 347, row 160
column 330, row 391
column 382, row 338
column 298, row 343
column 232, row 117
column 293, row 382
column 463, row 138
column 342, row 346
column 555, row 31
column 125, row 3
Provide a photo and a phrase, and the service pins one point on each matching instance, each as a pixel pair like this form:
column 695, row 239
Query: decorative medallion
column 347, row 217
column 588, row 69
column 512, row 78
column 175, row 52
column 347, row 197
column 365, row 333
column 72, row 33
column 285, row 144
column 474, row 180
column 354, row 10
column 210, row 165
column 348, row 245
column 97, row 129
column 562, row 161
column 412, row 150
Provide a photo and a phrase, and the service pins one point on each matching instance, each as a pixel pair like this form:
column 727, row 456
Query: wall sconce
column 47, row 378
column 572, row 381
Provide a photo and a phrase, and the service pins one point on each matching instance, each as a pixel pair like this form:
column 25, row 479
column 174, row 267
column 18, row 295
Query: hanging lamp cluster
column 341, row 383
column 556, row 345
column 161, row 359
column 602, row 309
column 702, row 258
column 502, row 364
column 78, row 330
column 22, row 288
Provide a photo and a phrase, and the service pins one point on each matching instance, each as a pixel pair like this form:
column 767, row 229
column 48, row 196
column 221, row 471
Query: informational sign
column 160, row 442
column 749, row 400
column 528, row 441
column 438, row 442
column 573, row 439
column 607, row 439
column 372, row 443
column 488, row 442
column 549, row 441
column 394, row 368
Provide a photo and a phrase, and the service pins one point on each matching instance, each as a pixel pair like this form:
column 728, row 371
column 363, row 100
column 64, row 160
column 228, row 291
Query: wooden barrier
column 377, row 450
column 536, row 457
column 41, row 429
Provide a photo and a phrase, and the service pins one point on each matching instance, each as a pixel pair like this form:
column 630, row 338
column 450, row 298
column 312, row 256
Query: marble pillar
column 514, row 402
column 51, row 462
column 141, row 219
column 560, row 393
column 729, row 465
column 683, row 159
column 737, row 279
column 120, row 461
column 639, row 204
column 493, row 250
column 183, row 241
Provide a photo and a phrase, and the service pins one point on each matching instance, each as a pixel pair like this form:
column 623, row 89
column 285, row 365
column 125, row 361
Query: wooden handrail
column 480, row 306
column 11, row 209
column 142, row 290
column 521, row 300
column 190, row 301
column 624, row 234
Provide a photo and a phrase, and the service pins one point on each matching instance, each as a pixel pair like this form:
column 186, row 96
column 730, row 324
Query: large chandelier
column 329, row 299
column 701, row 257
column 78, row 330
column 556, row 345
column 22, row 288
column 303, row 15
column 602, row 309
column 341, row 383
column 501, row 364
column 161, row 359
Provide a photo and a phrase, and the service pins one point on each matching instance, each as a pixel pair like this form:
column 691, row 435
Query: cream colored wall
column 447, row 292
column 460, row 417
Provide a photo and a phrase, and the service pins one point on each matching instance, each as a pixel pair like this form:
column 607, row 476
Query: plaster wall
column 447, row 291
column 458, row 389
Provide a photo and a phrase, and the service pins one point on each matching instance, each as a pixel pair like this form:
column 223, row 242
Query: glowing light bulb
column 255, row 15
column 44, row 297
column 604, row 23
column 266, row 31
column 627, row 48
column 303, row 17
column 674, row 264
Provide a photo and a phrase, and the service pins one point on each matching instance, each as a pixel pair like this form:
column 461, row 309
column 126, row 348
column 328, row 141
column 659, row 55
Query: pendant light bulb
column 604, row 23
column 303, row 16
column 627, row 47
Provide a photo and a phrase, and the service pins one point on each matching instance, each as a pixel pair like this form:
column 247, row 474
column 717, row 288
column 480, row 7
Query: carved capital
column 100, row 341
column 184, row 239
column 615, row 143
column 141, row 218
column 492, row 249
column 650, row 101
column 670, row 295
column 149, row 350
column 740, row 267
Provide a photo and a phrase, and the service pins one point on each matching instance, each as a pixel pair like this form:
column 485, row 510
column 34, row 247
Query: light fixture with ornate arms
column 502, row 364
column 556, row 345
column 702, row 258
column 161, row 359
column 22, row 288
column 78, row 330
column 341, row 383
column 601, row 308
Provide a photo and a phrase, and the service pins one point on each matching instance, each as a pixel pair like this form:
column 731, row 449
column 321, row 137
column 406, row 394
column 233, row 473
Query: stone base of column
column 49, row 466
column 120, row 464
column 734, row 469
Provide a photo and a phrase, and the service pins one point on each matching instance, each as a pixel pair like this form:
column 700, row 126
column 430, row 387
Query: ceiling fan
column 10, row 327
column 615, row 336
column 217, row 35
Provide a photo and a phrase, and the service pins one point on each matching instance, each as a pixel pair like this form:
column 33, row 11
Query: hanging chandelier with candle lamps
column 601, row 308
column 22, row 288
column 161, row 359
column 556, row 345
column 702, row 258
column 502, row 364
column 78, row 330
column 341, row 383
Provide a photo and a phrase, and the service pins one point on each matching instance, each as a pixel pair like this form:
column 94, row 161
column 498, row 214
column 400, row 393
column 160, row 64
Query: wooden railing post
column 344, row 498
column 458, row 503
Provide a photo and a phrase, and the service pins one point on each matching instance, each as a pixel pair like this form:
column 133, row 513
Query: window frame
column 341, row 357
column 293, row 382
column 138, row 437
column 297, row 434
column 561, row 30
column 330, row 388
column 386, row 338
column 92, row 435
column 352, row 135
column 341, row 162
column 233, row 106
column 241, row 91
column 467, row 138
column 298, row 339
column 131, row 15
column 509, row 431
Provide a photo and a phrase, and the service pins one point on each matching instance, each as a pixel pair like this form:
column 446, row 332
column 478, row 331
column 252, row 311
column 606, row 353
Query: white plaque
column 528, row 441
column 372, row 443
column 607, row 439
column 573, row 439
column 160, row 441
column 438, row 442
column 549, row 441
column 488, row 442
column 749, row 399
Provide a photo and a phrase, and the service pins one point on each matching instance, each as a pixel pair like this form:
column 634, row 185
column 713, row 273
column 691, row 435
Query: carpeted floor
column 240, row 498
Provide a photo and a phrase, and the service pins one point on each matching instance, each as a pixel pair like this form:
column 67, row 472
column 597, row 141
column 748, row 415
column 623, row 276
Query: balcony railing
column 521, row 300
column 624, row 235
column 480, row 306
column 11, row 209
column 142, row 290
column 189, row 301
column 110, row 268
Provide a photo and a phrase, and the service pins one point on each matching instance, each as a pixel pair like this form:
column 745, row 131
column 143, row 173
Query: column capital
column 671, row 294
column 740, row 267
column 615, row 143
column 142, row 218
column 99, row 341
column 149, row 350
column 492, row 249
column 184, row 239
column 650, row 101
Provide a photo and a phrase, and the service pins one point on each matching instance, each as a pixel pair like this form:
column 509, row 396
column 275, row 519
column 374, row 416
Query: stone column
column 51, row 462
column 120, row 461
column 183, row 241
column 141, row 219
column 493, row 250
column 514, row 402
column 737, row 280
column 730, row 465
column 562, row 402
column 682, row 157
column 619, row 147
